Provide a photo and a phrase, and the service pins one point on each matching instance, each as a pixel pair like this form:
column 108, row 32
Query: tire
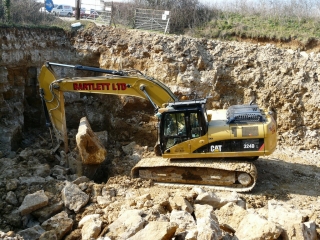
column 69, row 14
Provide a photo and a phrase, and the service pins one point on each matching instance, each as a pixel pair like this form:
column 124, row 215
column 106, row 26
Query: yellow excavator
column 195, row 146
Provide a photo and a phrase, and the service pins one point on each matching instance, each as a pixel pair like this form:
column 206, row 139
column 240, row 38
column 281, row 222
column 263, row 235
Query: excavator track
column 229, row 175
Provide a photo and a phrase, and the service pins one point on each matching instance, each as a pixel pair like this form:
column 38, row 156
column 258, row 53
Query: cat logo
column 215, row 148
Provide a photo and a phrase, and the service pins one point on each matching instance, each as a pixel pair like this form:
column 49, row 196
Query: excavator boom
column 116, row 83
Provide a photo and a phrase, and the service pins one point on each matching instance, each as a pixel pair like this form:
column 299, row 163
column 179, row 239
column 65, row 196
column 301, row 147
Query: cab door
column 196, row 132
column 183, row 133
column 174, row 134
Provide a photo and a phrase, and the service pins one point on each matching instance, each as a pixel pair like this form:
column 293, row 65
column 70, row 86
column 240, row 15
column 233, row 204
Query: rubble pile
column 44, row 200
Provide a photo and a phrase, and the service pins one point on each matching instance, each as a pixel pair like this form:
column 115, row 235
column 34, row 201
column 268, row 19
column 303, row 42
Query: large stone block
column 91, row 150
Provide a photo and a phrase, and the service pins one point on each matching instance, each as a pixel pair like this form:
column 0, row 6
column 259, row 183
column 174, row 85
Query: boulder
column 91, row 150
column 254, row 227
column 73, row 197
column 127, row 225
column 46, row 212
column 91, row 228
column 88, row 218
column 180, row 203
column 183, row 219
column 49, row 235
column 156, row 231
column 231, row 214
column 32, row 233
column 207, row 223
column 60, row 223
column 290, row 219
column 33, row 202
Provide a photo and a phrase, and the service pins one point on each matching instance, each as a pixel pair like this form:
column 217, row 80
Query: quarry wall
column 282, row 80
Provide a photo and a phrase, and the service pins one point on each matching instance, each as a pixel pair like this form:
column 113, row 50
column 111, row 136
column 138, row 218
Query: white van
column 62, row 10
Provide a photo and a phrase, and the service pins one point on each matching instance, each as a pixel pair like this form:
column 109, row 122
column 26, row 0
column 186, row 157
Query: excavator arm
column 114, row 82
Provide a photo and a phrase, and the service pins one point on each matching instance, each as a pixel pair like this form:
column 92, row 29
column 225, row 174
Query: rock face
column 22, row 54
column 284, row 81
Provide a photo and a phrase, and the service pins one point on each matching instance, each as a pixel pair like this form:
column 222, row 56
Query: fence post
column 135, row 18
column 165, row 31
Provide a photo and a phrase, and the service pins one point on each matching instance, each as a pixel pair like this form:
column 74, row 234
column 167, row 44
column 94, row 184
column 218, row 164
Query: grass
column 230, row 26
column 223, row 25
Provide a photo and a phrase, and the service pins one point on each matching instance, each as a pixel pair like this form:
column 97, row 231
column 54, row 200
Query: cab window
column 175, row 124
column 174, row 129
column 195, row 125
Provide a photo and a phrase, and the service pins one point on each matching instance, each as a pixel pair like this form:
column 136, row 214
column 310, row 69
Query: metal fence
column 150, row 19
column 94, row 12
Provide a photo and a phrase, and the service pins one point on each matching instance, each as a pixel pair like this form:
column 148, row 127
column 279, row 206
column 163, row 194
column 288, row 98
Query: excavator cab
column 180, row 124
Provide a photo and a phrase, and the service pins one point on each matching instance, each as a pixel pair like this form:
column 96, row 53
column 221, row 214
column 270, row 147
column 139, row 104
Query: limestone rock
column 207, row 223
column 209, row 198
column 91, row 228
column 60, row 223
column 254, row 226
column 90, row 148
column 32, row 233
column 73, row 197
column 49, row 235
column 81, row 179
column 103, row 200
column 156, row 231
column 12, row 184
column 11, row 198
column 180, row 203
column 287, row 217
column 33, row 202
column 231, row 214
column 127, row 225
column 183, row 219
column 192, row 234
column 306, row 231
column 32, row 180
column 46, row 212
column 41, row 170
column 88, row 218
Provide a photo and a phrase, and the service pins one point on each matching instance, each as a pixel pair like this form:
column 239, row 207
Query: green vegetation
column 230, row 26
column 259, row 20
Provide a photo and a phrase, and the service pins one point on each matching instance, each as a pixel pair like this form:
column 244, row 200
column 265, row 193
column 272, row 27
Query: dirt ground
column 289, row 176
